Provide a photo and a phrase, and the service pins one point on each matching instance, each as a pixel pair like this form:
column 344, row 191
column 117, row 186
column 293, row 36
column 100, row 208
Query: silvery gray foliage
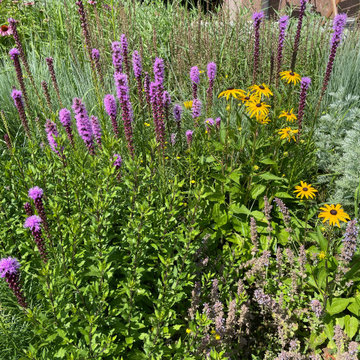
column 338, row 140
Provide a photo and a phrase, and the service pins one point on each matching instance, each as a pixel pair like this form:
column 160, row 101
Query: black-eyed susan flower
column 188, row 104
column 333, row 213
column 288, row 133
column 289, row 115
column 305, row 190
column 235, row 93
column 263, row 119
column 290, row 76
column 249, row 97
column 260, row 90
column 257, row 108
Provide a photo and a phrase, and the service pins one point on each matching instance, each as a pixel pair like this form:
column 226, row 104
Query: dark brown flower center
column 247, row 97
column 292, row 74
column 333, row 212
column 288, row 114
column 231, row 88
column 258, row 105
column 4, row 28
column 305, row 189
column 261, row 87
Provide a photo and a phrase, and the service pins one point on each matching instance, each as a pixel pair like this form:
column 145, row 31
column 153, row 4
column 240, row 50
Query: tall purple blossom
column 52, row 133
column 195, row 80
column 95, row 55
column 209, row 123
column 218, row 122
column 28, row 209
column 196, row 109
column 36, row 194
column 159, row 71
column 83, row 124
column 111, row 109
column 17, row 97
column 316, row 307
column 257, row 17
column 349, row 241
column 45, row 88
column 211, row 73
column 14, row 55
column 65, row 119
column 123, row 95
column 338, row 27
column 298, row 33
column 96, row 129
column 283, row 23
column 50, row 64
column 8, row 141
column 147, row 89
column 84, row 26
column 177, row 115
column 137, row 67
column 166, row 100
column 305, row 83
column 9, row 269
column 116, row 56
column 189, row 136
column 157, row 109
column 34, row 224
column 117, row 163
column 125, row 53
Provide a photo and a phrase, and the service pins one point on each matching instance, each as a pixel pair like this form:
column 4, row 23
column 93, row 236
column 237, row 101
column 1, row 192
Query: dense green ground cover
column 190, row 248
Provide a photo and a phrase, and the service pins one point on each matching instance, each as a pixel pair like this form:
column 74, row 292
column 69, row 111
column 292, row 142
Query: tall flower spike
column 50, row 64
column 84, row 25
column 283, row 23
column 17, row 97
column 125, row 53
column 305, row 83
column 96, row 129
column 147, row 89
column 166, row 104
column 298, row 32
column 83, row 124
column 52, row 133
column 8, row 142
column 257, row 17
column 45, row 88
column 28, row 209
column 195, row 80
column 156, row 105
column 36, row 194
column 95, row 55
column 34, row 224
column 123, row 95
column 9, row 269
column 14, row 55
column 65, row 119
column 159, row 71
column 137, row 67
column 196, row 110
column 211, row 73
column 177, row 115
column 189, row 137
column 338, row 27
column 349, row 241
column 111, row 110
column 117, row 163
column 116, row 56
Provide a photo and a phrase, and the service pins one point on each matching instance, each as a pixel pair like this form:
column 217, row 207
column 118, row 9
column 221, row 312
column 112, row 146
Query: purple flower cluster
column 137, row 68
column 9, row 269
column 211, row 73
column 338, row 27
column 65, row 119
column 218, row 122
column 111, row 109
column 195, row 80
column 298, row 32
column 52, row 133
column 84, row 25
column 14, row 55
column 177, row 115
column 159, row 71
column 349, row 241
column 123, row 95
column 189, row 136
column 116, row 56
column 209, row 123
column 50, row 64
column 117, row 163
column 305, row 83
column 283, row 23
column 196, row 108
column 36, row 194
column 166, row 103
column 125, row 53
column 95, row 55
column 28, row 209
column 45, row 88
column 83, row 124
column 96, row 129
column 257, row 17
column 34, row 224
column 157, row 110
column 17, row 97
column 316, row 307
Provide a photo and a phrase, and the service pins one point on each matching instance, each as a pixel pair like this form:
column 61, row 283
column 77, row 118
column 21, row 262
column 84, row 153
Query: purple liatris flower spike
column 28, row 209
column 9, row 269
column 95, row 54
column 17, row 97
column 298, row 32
column 211, row 73
column 117, row 163
column 156, row 105
column 349, row 241
column 34, row 224
column 125, row 53
column 122, row 89
column 116, row 56
column 283, row 23
column 257, row 17
column 111, row 109
column 83, row 124
column 84, row 25
column 159, row 71
column 137, row 67
column 65, row 119
column 177, row 115
column 209, row 123
column 195, row 80
column 305, row 83
column 189, row 136
column 52, row 133
column 218, row 122
column 166, row 99
column 338, row 27
column 14, row 55
column 96, row 129
column 196, row 108
column 8, row 141
column 50, row 64
column 37, row 194
column 147, row 89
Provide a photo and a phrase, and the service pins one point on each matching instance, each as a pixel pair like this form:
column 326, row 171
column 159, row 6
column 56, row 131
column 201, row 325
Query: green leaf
column 283, row 195
column 337, row 306
column 268, row 161
column 354, row 307
column 236, row 209
column 269, row 176
column 61, row 353
column 257, row 190
column 351, row 326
